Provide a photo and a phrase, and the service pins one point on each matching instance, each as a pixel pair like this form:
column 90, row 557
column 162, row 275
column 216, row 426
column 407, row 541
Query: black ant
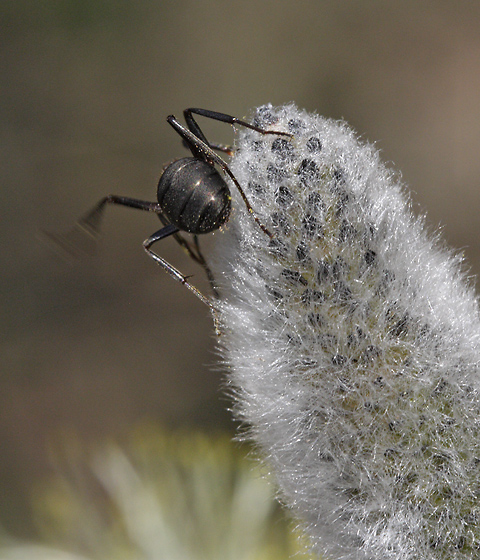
column 193, row 197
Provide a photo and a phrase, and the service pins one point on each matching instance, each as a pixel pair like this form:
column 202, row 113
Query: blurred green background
column 85, row 88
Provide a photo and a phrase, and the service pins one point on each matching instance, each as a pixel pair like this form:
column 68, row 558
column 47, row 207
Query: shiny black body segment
column 194, row 196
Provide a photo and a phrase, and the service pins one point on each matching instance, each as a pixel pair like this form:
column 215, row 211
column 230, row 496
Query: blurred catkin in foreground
column 158, row 495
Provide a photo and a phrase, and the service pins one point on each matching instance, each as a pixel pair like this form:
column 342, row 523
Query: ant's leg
column 202, row 150
column 193, row 251
column 219, row 147
column 83, row 237
column 174, row 273
column 195, row 128
column 91, row 221
column 193, row 125
column 203, row 262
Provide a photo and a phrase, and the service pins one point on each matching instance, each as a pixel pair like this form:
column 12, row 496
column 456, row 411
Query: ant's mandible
column 193, row 197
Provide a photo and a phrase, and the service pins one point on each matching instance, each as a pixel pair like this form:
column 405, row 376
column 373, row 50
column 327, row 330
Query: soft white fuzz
column 352, row 342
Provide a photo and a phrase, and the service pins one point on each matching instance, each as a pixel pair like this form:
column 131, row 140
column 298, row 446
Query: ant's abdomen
column 194, row 196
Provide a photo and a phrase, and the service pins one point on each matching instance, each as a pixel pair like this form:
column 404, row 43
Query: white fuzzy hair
column 352, row 344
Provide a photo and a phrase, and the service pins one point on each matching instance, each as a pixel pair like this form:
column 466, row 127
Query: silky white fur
column 352, row 344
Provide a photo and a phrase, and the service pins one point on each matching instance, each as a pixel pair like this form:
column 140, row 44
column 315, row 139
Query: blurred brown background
column 85, row 89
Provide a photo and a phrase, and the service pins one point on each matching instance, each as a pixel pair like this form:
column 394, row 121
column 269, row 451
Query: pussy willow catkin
column 352, row 341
